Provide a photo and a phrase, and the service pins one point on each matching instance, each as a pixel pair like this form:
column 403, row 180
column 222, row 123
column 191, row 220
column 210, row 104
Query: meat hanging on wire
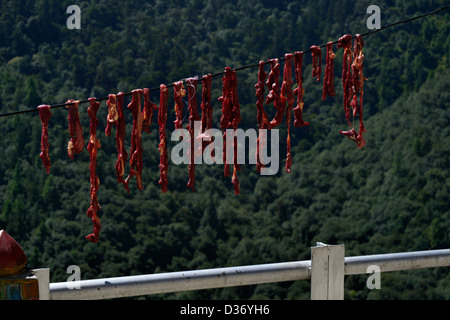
column 274, row 93
column 345, row 42
column 261, row 115
column 136, row 153
column 44, row 116
column 178, row 94
column 162, row 122
column 207, row 113
column 147, row 111
column 328, row 81
column 231, row 117
column 357, row 84
column 93, row 147
column 76, row 142
column 226, row 118
column 316, row 54
column 288, row 98
column 112, row 117
column 299, row 91
column 122, row 155
column 193, row 118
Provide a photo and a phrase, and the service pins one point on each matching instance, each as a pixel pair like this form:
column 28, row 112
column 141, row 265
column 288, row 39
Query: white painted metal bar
column 398, row 261
column 130, row 286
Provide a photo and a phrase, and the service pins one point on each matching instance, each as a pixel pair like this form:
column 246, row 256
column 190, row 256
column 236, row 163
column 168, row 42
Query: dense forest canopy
column 391, row 196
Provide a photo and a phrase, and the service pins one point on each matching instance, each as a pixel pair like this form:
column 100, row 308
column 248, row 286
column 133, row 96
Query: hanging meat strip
column 345, row 42
column 316, row 53
column 299, row 91
column 357, row 89
column 207, row 110
column 93, row 146
column 236, row 112
column 162, row 122
column 112, row 117
column 122, row 154
column 147, row 111
column 76, row 143
column 261, row 115
column 193, row 117
column 288, row 98
column 44, row 115
column 178, row 93
column 231, row 117
column 136, row 162
column 274, row 93
column 328, row 81
column 227, row 116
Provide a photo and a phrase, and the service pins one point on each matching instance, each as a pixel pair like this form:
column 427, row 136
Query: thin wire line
column 239, row 68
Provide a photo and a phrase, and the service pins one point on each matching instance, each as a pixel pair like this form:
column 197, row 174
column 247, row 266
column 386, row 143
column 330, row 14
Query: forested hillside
column 391, row 196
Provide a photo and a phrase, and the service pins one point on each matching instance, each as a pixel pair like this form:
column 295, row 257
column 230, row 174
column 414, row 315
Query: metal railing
column 325, row 270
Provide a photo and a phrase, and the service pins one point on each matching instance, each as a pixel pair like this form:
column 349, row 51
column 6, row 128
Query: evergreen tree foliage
column 391, row 196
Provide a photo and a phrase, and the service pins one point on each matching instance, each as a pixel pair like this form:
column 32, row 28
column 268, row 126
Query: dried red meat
column 316, row 53
column 112, row 117
column 299, row 91
column 122, row 154
column 357, row 83
column 93, row 146
column 231, row 117
column 136, row 153
column 261, row 115
column 178, row 93
column 162, row 122
column 147, row 111
column 287, row 97
column 193, row 117
column 274, row 93
column 345, row 42
column 207, row 110
column 44, row 115
column 76, row 143
column 328, row 81
column 226, row 118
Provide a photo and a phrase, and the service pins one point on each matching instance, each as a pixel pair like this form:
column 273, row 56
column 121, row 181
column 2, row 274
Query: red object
column 274, row 93
column 76, row 143
column 345, row 42
column 93, row 146
column 147, row 111
column 44, row 115
column 193, row 117
column 226, row 118
column 207, row 110
column 12, row 257
column 231, row 117
column 328, row 81
column 353, row 82
column 112, row 117
column 316, row 53
column 162, row 122
column 299, row 91
column 136, row 161
column 178, row 93
column 288, row 98
column 261, row 116
column 122, row 154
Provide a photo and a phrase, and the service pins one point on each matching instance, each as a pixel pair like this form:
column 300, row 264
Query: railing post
column 327, row 272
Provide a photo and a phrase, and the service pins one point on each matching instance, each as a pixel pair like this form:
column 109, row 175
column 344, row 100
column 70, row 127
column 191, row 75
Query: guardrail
column 326, row 270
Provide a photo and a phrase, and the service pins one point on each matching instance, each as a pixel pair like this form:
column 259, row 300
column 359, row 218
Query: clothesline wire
column 239, row 68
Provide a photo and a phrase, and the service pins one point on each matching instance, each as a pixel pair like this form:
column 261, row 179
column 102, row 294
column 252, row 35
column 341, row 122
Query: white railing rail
column 325, row 270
